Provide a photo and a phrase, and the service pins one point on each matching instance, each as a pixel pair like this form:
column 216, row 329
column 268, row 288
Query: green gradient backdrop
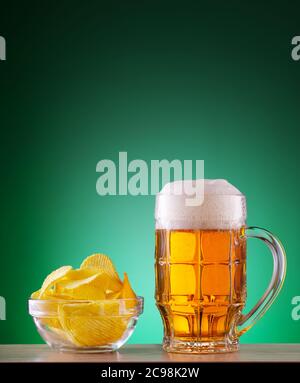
column 158, row 79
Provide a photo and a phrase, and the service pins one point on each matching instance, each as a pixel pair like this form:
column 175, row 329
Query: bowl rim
column 139, row 298
column 48, row 307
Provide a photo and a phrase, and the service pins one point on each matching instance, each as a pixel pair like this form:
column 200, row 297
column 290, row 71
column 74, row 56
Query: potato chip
column 53, row 278
column 35, row 294
column 52, row 323
column 113, row 294
column 87, row 328
column 76, row 274
column 62, row 335
column 92, row 287
column 127, row 292
column 101, row 262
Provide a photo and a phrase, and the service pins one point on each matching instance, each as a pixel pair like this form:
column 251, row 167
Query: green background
column 186, row 80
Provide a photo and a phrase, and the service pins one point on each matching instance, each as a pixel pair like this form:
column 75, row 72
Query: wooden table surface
column 151, row 353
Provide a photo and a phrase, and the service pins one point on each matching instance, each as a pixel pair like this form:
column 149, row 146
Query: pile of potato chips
column 97, row 321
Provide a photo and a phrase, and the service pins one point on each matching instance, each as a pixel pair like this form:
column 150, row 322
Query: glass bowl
column 86, row 325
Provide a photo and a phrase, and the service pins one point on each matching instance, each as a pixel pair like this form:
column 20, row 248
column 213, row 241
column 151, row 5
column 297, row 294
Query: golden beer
column 200, row 285
column 200, row 267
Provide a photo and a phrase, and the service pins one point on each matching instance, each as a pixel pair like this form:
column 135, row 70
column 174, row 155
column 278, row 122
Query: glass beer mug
column 200, row 266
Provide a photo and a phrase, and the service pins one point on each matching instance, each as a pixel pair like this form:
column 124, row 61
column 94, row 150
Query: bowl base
column 83, row 350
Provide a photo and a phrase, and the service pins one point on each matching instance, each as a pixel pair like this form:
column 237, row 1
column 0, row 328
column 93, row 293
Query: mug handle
column 279, row 271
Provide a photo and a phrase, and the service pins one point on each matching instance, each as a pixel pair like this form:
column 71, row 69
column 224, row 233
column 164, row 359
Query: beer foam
column 223, row 206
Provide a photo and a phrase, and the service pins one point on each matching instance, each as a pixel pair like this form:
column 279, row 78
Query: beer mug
column 200, row 267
